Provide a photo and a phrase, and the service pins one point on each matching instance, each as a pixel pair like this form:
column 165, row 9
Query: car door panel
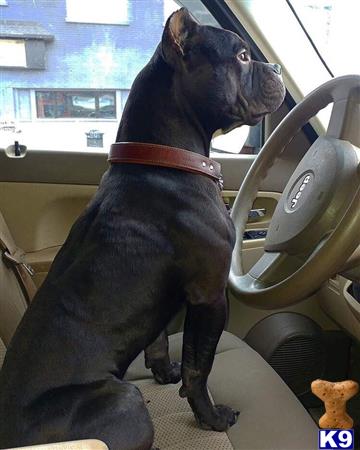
column 40, row 216
column 43, row 193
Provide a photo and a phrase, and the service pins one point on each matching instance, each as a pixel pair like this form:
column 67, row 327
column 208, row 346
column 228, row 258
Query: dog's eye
column 243, row 56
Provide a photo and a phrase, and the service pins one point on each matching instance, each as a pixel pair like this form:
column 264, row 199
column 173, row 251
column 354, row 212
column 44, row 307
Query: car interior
column 293, row 317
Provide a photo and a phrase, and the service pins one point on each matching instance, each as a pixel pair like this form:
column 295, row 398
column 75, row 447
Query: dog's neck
column 156, row 113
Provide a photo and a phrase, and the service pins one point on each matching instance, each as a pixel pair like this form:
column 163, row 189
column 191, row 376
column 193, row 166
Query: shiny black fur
column 151, row 240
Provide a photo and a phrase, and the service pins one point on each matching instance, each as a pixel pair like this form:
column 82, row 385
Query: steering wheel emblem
column 296, row 198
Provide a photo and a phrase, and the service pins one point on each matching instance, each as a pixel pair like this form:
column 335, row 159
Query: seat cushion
column 271, row 417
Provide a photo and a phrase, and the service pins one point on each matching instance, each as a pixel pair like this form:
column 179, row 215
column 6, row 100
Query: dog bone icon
column 335, row 396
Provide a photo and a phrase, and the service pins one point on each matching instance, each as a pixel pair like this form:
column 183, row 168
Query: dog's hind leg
column 157, row 359
column 110, row 410
column 118, row 416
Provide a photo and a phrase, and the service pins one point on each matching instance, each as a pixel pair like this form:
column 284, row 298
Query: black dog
column 152, row 239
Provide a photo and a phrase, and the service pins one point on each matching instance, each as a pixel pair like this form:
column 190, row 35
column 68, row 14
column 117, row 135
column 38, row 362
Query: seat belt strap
column 23, row 272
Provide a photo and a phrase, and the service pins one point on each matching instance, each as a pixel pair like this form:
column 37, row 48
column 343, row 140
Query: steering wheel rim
column 299, row 277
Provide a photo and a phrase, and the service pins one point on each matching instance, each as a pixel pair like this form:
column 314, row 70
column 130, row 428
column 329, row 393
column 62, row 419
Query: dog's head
column 214, row 70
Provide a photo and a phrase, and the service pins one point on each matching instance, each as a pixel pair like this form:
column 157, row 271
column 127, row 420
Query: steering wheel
column 316, row 225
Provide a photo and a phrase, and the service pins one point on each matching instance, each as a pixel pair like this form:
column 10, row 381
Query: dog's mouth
column 259, row 116
column 250, row 120
column 256, row 118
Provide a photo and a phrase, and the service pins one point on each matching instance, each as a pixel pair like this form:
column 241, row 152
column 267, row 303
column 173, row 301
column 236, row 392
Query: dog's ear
column 179, row 28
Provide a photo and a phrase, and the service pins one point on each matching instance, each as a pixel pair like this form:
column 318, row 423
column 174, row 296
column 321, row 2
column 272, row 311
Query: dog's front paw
column 221, row 419
column 171, row 374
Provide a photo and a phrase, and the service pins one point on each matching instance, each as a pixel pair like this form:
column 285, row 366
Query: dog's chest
column 182, row 209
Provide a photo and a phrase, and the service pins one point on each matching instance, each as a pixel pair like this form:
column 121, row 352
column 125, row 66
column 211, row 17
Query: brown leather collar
column 161, row 155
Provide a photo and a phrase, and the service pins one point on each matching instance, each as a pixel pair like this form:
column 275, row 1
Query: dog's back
column 112, row 288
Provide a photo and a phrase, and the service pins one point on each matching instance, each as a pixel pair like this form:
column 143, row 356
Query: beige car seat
column 271, row 417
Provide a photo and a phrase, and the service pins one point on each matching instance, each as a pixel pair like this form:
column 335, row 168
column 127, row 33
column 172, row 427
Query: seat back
column 12, row 299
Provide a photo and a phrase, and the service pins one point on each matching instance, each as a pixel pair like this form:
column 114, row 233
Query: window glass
column 12, row 53
column 84, row 104
column 333, row 26
column 245, row 140
column 288, row 40
column 109, row 11
column 67, row 67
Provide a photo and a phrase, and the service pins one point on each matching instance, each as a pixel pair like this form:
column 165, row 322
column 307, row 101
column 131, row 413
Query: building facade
column 66, row 67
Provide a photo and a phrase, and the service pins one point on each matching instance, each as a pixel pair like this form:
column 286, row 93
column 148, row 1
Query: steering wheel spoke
column 274, row 267
column 345, row 116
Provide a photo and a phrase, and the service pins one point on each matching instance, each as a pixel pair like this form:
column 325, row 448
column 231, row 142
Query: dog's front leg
column 157, row 359
column 203, row 327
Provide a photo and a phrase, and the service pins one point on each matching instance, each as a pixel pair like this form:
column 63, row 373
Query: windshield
column 333, row 26
column 277, row 31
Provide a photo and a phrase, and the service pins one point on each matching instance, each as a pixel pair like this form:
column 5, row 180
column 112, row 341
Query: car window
column 333, row 26
column 244, row 140
column 308, row 37
column 67, row 69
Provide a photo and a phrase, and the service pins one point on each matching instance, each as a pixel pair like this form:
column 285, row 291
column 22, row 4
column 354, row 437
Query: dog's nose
column 277, row 68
